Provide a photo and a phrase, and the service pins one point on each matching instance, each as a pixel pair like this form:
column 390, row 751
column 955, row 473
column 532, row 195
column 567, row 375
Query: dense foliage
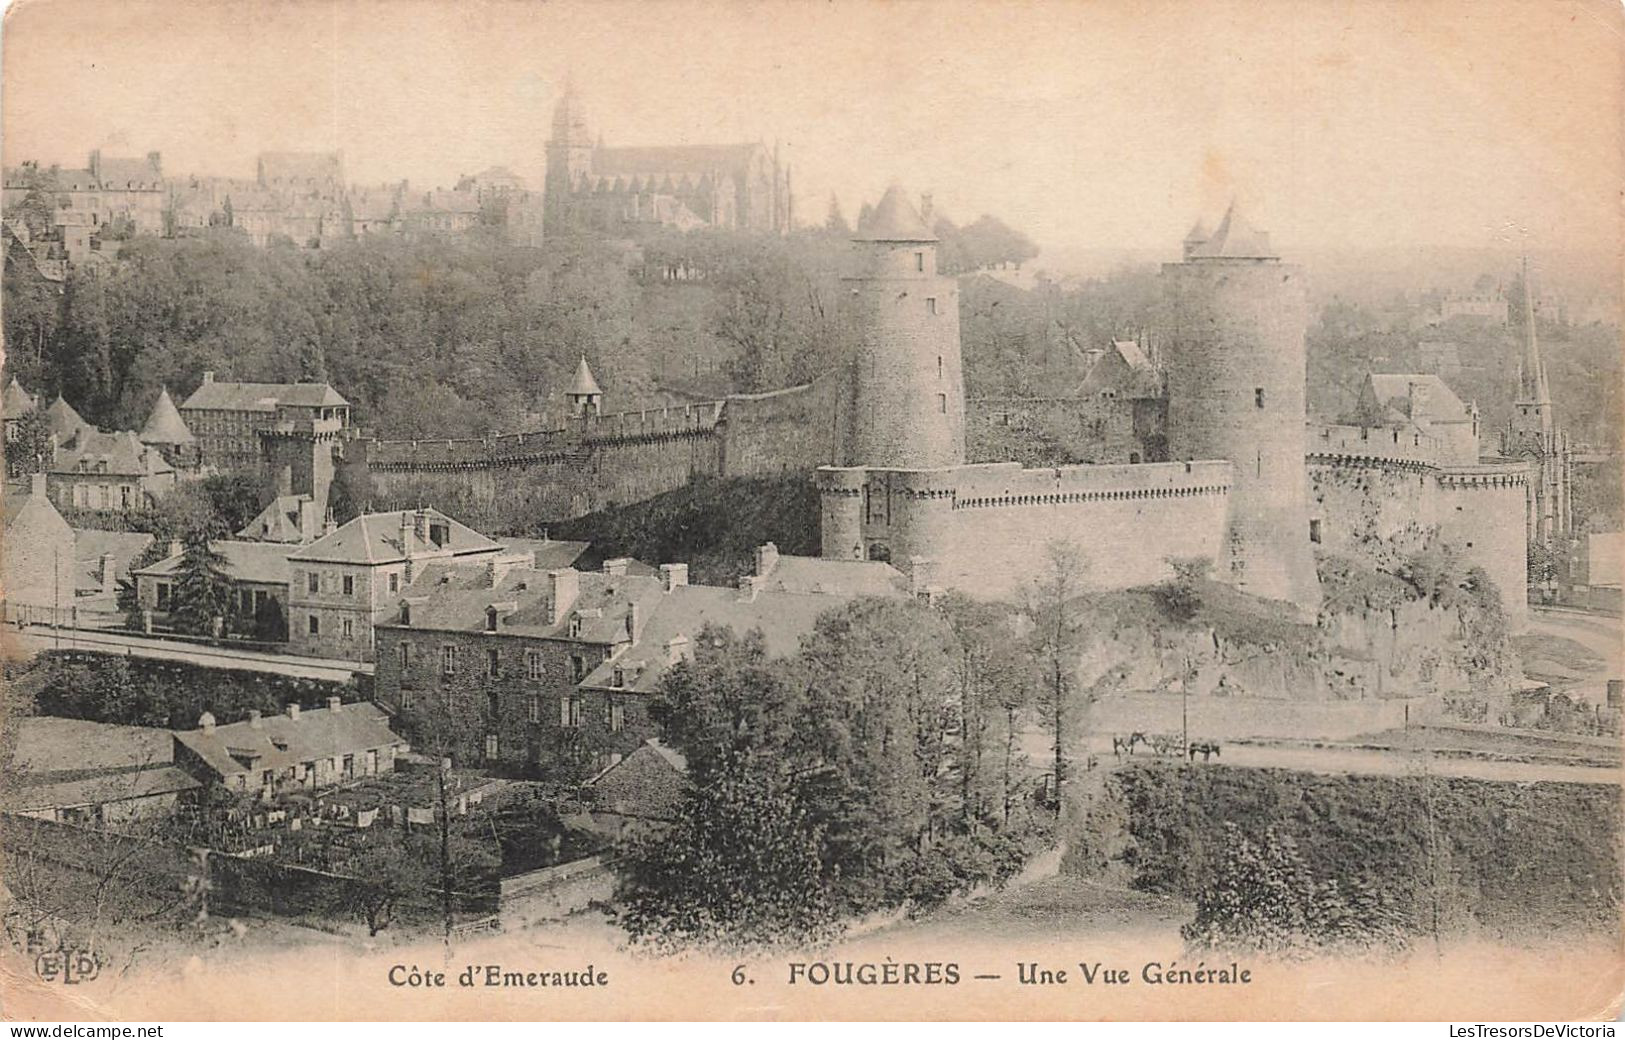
column 831, row 784
column 1475, row 856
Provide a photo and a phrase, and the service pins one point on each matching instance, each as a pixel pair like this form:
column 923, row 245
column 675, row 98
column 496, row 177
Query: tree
column 234, row 499
column 1056, row 636
column 388, row 870
column 30, row 448
column 203, row 595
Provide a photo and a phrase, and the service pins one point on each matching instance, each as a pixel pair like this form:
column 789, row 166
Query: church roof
column 1236, row 239
column 1198, row 233
column 1419, row 397
column 62, row 418
column 1532, row 385
column 584, row 383
column 894, row 220
column 675, row 159
column 165, row 425
column 15, row 400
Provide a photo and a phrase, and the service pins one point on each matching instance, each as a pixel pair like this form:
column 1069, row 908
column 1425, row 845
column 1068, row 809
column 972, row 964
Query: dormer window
column 406, row 614
column 919, row 262
column 440, row 534
column 490, row 619
column 618, row 680
column 575, row 626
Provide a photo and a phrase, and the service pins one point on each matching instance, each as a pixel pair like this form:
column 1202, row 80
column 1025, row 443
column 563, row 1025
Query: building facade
column 228, row 418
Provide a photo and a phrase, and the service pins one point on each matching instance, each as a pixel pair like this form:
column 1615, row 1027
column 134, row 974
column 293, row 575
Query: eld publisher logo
column 70, row 967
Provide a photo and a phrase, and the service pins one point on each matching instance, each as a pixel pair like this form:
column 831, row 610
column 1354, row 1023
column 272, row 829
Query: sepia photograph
column 1013, row 510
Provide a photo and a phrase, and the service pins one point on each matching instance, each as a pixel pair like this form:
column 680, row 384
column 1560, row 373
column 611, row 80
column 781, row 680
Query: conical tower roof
column 1198, row 233
column 15, row 400
column 894, row 220
column 1236, row 239
column 63, row 420
column 584, row 382
column 165, row 425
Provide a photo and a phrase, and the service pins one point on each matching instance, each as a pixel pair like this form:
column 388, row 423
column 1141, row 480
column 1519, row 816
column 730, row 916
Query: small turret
column 165, row 428
column 585, row 395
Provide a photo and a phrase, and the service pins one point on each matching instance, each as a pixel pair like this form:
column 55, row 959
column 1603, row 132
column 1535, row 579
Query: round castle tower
column 908, row 391
column 1236, row 375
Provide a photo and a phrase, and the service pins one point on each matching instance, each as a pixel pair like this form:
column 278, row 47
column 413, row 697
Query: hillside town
column 898, row 598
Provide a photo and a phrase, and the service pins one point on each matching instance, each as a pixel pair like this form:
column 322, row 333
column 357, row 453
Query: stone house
column 259, row 574
column 295, row 750
column 226, row 417
column 97, row 470
column 343, row 581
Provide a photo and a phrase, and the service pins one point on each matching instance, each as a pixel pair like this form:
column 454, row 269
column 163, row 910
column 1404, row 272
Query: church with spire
column 1533, row 436
column 614, row 189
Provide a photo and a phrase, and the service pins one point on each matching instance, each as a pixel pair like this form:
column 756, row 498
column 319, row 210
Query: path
column 35, row 639
column 1596, row 632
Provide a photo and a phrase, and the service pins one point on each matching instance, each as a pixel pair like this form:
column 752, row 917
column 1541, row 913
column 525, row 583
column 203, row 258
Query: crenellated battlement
column 1487, row 476
column 1376, row 442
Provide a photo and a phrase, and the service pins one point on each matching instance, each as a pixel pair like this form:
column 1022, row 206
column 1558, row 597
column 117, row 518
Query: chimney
column 253, row 718
column 676, row 649
column 420, row 525
column 673, row 575
column 749, row 585
column 334, row 704
column 492, row 574
column 205, row 722
column 175, row 547
column 632, row 621
column 565, row 586
column 36, row 485
column 616, row 568
column 107, row 572
column 307, row 519
column 208, row 377
column 284, row 480
column 767, row 557
column 293, row 710
column 406, row 533
column 926, row 209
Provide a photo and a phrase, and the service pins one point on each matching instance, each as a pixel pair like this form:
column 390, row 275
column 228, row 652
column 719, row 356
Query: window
column 919, row 261
column 394, row 583
column 533, row 664
column 163, row 595
column 575, row 626
column 490, row 619
column 931, row 305
column 448, row 660
column 493, row 663
column 1258, row 396
column 313, row 583
column 406, row 614
column 578, row 668
column 942, row 404
column 619, row 678
column 406, row 656
column 569, row 712
column 348, row 628
column 1314, row 531
column 493, row 703
column 490, row 745
column 349, row 585
column 533, row 708
column 617, row 716
column 314, row 625
column 245, row 601
column 439, row 534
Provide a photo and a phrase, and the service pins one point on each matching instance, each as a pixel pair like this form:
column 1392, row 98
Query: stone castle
column 1216, row 459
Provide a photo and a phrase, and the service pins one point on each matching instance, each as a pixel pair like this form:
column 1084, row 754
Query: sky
column 1090, row 124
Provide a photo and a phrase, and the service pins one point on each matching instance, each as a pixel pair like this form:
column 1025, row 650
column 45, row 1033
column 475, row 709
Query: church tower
column 1534, row 435
column 908, row 392
column 1236, row 387
column 569, row 157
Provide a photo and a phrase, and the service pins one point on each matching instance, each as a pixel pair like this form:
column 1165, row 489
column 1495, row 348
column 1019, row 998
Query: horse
column 1208, row 749
column 1122, row 744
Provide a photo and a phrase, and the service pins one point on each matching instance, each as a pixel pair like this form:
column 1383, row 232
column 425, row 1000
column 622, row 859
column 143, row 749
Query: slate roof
column 584, row 383
column 64, row 421
column 894, row 220
column 675, row 159
column 120, row 450
column 15, row 400
column 550, row 554
column 262, row 562
column 1438, row 403
column 262, row 397
column 452, row 598
column 782, row 617
column 47, row 744
column 1235, row 239
column 98, row 789
column 377, row 538
column 165, row 425
column 90, row 545
column 277, row 522
column 812, row 575
column 278, row 741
